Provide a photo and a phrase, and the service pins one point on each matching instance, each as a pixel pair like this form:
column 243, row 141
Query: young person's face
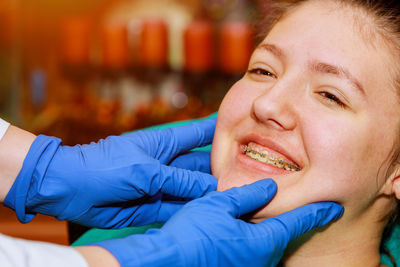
column 320, row 95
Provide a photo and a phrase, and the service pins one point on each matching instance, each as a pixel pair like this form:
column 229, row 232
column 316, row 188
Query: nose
column 276, row 107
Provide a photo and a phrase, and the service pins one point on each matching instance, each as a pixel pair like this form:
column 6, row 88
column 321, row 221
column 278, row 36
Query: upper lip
column 275, row 146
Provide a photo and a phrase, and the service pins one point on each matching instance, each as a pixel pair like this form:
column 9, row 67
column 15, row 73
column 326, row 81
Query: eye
column 332, row 99
column 259, row 71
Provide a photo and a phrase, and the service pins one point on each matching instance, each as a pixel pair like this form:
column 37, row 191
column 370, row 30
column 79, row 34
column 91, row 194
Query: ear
column 392, row 184
column 396, row 187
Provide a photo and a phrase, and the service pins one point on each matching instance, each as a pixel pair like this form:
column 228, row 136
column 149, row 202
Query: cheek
column 344, row 160
column 337, row 149
column 235, row 108
column 237, row 103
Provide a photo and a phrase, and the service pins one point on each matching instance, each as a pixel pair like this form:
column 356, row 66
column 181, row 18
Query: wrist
column 31, row 175
column 14, row 147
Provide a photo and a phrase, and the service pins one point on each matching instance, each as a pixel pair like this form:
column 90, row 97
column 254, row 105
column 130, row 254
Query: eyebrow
column 320, row 67
column 276, row 51
column 338, row 71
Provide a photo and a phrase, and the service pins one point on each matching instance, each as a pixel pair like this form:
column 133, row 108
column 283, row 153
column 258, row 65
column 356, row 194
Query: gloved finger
column 292, row 224
column 165, row 144
column 184, row 183
column 167, row 209
column 113, row 217
column 239, row 201
column 194, row 161
column 154, row 211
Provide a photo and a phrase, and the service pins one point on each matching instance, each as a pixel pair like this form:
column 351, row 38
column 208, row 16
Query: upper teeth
column 269, row 159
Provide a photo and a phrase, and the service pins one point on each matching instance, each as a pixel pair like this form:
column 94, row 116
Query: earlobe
column 396, row 186
column 392, row 185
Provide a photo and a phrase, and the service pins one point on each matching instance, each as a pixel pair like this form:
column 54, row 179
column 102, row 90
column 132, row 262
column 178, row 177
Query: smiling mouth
column 268, row 158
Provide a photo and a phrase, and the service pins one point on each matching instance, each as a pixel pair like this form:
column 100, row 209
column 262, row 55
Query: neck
column 339, row 244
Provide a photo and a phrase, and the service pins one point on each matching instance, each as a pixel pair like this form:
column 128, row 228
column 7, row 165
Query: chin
column 240, row 180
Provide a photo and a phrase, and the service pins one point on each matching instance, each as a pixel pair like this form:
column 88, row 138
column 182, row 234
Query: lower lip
column 253, row 164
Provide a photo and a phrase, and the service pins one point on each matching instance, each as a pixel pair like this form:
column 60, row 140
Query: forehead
column 328, row 32
column 324, row 23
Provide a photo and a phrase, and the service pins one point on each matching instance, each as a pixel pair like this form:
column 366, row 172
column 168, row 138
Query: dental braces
column 269, row 159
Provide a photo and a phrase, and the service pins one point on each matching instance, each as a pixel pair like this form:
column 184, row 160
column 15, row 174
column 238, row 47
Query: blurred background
column 83, row 70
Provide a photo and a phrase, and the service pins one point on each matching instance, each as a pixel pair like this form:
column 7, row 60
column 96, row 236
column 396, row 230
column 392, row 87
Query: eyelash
column 328, row 96
column 259, row 71
column 333, row 99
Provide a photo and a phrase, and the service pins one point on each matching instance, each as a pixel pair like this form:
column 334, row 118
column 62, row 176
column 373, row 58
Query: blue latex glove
column 208, row 231
column 193, row 160
column 117, row 182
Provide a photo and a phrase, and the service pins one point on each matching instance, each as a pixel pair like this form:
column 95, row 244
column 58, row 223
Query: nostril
column 276, row 124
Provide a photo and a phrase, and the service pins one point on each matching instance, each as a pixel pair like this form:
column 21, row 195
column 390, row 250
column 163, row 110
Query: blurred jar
column 236, row 44
column 153, row 72
column 113, row 74
column 198, row 76
column 76, row 86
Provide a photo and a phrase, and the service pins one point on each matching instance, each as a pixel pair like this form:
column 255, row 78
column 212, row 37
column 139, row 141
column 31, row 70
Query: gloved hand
column 208, row 231
column 117, row 182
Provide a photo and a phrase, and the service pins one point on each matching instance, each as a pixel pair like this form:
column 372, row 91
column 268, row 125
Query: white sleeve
column 3, row 127
column 16, row 252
